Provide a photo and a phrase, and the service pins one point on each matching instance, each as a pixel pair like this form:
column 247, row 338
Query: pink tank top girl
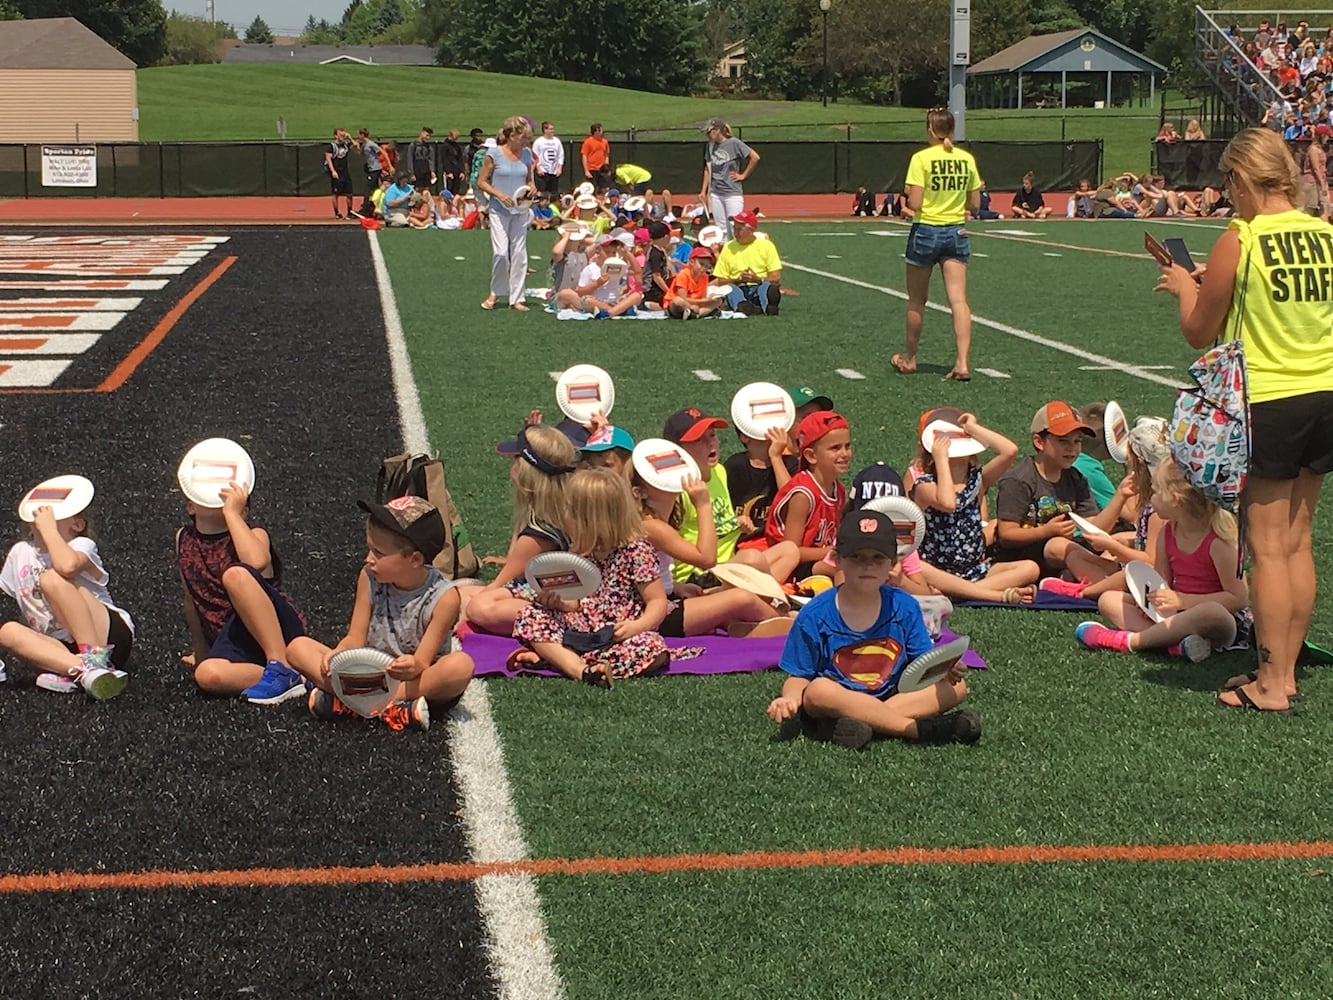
column 1192, row 572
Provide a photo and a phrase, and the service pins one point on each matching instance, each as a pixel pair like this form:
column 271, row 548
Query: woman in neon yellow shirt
column 942, row 187
column 1270, row 277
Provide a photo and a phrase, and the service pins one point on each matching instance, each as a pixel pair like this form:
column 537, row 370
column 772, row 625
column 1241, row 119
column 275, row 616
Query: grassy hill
column 245, row 102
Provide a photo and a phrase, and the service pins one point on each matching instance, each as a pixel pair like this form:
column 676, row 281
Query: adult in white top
column 549, row 154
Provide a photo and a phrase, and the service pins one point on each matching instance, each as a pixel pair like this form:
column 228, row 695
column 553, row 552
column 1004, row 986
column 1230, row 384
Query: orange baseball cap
column 1058, row 418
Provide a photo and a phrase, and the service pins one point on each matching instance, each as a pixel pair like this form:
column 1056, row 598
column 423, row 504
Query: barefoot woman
column 1283, row 312
column 942, row 186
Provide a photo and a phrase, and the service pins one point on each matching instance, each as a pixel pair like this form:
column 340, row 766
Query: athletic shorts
column 929, row 245
column 118, row 637
column 1288, row 435
column 673, row 625
column 342, row 184
column 235, row 644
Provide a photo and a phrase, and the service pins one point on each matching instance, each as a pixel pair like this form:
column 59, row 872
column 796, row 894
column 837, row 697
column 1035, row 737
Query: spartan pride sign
column 69, row 166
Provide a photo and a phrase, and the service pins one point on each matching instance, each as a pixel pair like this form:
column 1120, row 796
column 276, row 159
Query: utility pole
column 211, row 7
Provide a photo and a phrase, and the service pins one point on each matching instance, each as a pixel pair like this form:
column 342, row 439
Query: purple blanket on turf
column 1046, row 601
column 722, row 655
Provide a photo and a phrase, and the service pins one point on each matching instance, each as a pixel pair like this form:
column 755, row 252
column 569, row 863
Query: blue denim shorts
column 928, row 245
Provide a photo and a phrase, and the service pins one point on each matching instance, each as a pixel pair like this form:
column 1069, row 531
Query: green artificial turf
column 1078, row 747
column 1171, row 932
column 234, row 102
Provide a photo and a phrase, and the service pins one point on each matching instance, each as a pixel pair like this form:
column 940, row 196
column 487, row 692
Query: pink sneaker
column 1065, row 588
column 1095, row 635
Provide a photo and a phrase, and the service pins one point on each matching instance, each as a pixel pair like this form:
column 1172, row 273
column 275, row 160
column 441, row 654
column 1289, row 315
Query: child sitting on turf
column 1205, row 599
column 917, row 577
column 569, row 256
column 849, row 646
column 1028, row 202
column 609, row 448
column 617, row 623
column 75, row 633
column 686, row 295
column 696, row 434
column 405, row 607
column 808, row 508
column 1094, row 453
column 949, row 486
column 543, row 459
column 240, row 622
column 657, row 273
column 1036, row 496
column 754, row 476
column 662, row 512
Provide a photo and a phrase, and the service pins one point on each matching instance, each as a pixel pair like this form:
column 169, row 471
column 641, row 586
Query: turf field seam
column 506, row 871
column 1013, row 331
column 521, row 958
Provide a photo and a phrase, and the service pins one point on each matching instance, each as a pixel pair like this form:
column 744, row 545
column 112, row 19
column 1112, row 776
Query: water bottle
column 1070, row 208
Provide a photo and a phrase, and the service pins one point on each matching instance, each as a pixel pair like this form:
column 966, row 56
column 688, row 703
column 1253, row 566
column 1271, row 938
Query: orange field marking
column 122, row 372
column 662, row 864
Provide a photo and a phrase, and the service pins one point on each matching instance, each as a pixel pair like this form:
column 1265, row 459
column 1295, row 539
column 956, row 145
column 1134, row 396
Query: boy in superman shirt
column 849, row 646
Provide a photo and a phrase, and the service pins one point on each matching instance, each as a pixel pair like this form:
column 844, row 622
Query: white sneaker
column 3, row 675
column 104, row 684
column 57, row 683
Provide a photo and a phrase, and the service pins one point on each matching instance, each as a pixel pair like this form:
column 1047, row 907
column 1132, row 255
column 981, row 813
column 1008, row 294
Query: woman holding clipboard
column 1269, row 282
column 943, row 185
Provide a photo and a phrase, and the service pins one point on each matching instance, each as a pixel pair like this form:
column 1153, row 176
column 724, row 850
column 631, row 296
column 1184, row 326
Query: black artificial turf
column 286, row 355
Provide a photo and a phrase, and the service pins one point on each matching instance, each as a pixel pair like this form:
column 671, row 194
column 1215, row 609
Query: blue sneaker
column 602, row 314
column 279, row 683
column 631, row 311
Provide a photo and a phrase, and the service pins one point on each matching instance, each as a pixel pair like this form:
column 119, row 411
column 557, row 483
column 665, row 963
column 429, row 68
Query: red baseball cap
column 701, row 253
column 1058, row 418
column 746, row 218
column 816, row 425
column 690, row 424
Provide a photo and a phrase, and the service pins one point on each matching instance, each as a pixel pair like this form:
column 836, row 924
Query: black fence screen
column 238, row 169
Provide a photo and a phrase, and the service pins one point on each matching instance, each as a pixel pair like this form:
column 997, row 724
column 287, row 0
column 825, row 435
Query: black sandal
column 1251, row 678
column 597, row 675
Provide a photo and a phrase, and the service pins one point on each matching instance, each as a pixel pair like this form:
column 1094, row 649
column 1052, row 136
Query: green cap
column 803, row 394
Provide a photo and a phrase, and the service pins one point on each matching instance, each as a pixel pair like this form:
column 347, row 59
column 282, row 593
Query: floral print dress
column 623, row 571
column 955, row 542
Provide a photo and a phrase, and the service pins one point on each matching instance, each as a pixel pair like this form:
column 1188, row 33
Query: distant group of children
column 774, row 521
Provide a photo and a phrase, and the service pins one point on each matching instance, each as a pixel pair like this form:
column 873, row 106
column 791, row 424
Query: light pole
column 824, row 5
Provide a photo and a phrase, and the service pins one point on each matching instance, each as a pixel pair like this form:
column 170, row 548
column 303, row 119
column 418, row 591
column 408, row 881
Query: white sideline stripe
column 520, row 953
column 1013, row 331
column 850, row 373
column 704, row 375
column 555, row 376
column 993, row 373
column 1107, row 368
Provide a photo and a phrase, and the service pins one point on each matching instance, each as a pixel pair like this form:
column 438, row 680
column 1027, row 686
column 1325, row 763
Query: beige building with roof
column 60, row 82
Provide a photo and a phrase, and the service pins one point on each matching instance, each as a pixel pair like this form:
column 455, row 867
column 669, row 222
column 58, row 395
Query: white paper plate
column 569, row 575
column 1115, row 428
column 523, row 196
column 930, row 667
column 583, row 390
column 585, row 188
column 634, row 204
column 209, row 466
column 1084, row 525
column 663, row 464
column 358, row 679
column 710, row 236
column 759, row 406
column 67, row 496
column 961, row 444
column 1142, row 580
column 718, row 291
column 908, row 521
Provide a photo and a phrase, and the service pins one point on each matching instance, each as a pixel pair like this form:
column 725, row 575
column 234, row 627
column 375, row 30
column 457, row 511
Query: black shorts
column 548, row 184
column 342, row 184
column 235, row 644
column 422, row 177
column 118, row 637
column 1288, row 435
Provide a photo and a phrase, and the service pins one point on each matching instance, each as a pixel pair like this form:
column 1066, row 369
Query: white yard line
column 521, row 959
column 705, row 375
column 850, row 373
column 993, row 373
column 1013, row 331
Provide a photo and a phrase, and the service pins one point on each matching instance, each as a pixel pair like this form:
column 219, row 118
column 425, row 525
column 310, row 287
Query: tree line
column 879, row 51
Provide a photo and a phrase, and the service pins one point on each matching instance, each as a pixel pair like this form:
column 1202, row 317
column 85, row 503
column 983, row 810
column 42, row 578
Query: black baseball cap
column 873, row 482
column 690, row 424
column 416, row 519
column 867, row 529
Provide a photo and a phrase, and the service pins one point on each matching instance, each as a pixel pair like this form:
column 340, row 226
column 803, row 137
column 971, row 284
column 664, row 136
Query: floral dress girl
column 955, row 542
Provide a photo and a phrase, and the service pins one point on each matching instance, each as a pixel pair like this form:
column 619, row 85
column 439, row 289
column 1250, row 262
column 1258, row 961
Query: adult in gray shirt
column 727, row 163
